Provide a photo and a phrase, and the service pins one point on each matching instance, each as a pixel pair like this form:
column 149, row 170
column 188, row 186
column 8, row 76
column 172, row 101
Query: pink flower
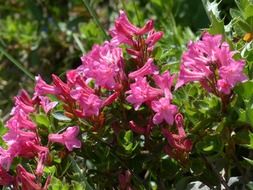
column 140, row 40
column 21, row 121
column 68, row 138
column 46, row 104
column 147, row 69
column 5, row 159
column 72, row 76
column 21, row 138
column 28, row 181
column 233, row 73
column 109, row 100
column 5, row 178
column 141, row 130
column 89, row 102
column 178, row 145
column 23, row 102
column 164, row 111
column 90, row 105
column 152, row 38
column 41, row 163
column 165, row 82
column 42, row 88
column 61, row 88
column 103, row 64
column 14, row 135
column 125, row 180
column 223, row 86
column 141, row 92
column 211, row 62
column 124, row 31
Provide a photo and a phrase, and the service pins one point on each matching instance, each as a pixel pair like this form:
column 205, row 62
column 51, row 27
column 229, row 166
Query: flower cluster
column 211, row 62
column 23, row 141
column 158, row 98
column 103, row 67
column 139, row 47
column 102, row 80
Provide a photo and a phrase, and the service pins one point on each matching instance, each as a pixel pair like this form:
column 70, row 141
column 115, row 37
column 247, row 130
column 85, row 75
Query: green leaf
column 244, row 138
column 60, row 116
column 244, row 90
column 197, row 166
column 210, row 145
column 3, row 130
column 217, row 26
column 57, row 184
column 77, row 185
column 126, row 141
column 246, row 8
column 42, row 120
column 50, row 170
column 212, row 11
column 79, row 43
column 249, row 161
column 81, row 175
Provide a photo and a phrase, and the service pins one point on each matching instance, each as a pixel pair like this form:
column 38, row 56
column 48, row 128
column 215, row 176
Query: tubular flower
column 147, row 69
column 178, row 145
column 5, row 159
column 42, row 88
column 125, row 180
column 21, row 138
column 90, row 103
column 46, row 104
column 28, row 181
column 5, row 178
column 142, row 92
column 141, row 41
column 165, row 82
column 58, row 88
column 164, row 111
column 211, row 62
column 67, row 138
column 124, row 31
column 103, row 64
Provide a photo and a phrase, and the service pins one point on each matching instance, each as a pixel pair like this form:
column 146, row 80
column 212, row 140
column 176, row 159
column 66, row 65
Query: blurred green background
column 49, row 36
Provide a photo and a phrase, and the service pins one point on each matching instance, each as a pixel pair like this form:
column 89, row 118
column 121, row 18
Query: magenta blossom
column 46, row 104
column 141, row 41
column 68, row 138
column 90, row 103
column 125, row 180
column 103, row 64
column 165, row 82
column 5, row 159
column 147, row 69
column 178, row 145
column 124, row 31
column 164, row 111
column 23, row 102
column 42, row 88
column 5, row 178
column 210, row 62
column 21, row 121
column 142, row 92
column 28, row 181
